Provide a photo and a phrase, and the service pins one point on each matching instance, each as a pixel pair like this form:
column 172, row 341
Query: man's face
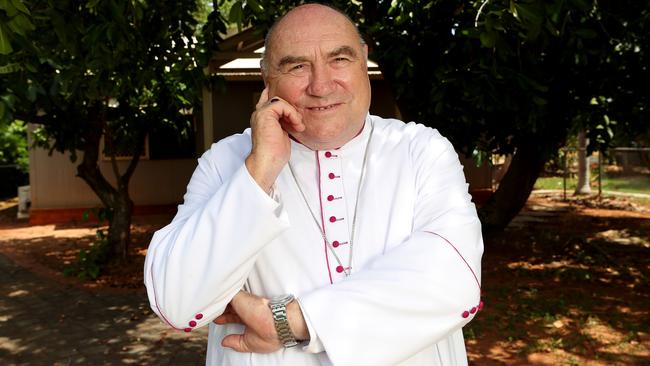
column 317, row 63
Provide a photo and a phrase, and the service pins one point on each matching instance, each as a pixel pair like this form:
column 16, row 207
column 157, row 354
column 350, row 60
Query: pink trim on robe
column 322, row 219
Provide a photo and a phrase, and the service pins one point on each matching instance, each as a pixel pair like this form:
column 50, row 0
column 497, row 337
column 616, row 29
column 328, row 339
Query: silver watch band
column 278, row 307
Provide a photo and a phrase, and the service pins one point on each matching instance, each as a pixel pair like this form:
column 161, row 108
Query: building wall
column 54, row 184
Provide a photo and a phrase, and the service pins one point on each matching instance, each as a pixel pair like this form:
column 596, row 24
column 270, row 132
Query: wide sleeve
column 421, row 290
column 196, row 264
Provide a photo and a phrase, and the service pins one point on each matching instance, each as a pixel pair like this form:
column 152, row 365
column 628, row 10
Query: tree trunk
column 583, row 165
column 119, row 230
column 115, row 199
column 514, row 189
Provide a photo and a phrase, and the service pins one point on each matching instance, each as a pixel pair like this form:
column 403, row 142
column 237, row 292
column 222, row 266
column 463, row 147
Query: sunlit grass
column 631, row 184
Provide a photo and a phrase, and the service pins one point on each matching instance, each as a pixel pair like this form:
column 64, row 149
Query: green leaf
column 255, row 5
column 92, row 4
column 18, row 4
column 5, row 44
column 235, row 16
column 488, row 39
column 9, row 8
column 9, row 68
column 539, row 101
column 21, row 24
column 528, row 13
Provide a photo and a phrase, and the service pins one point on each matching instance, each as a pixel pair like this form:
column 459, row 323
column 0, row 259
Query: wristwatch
column 278, row 307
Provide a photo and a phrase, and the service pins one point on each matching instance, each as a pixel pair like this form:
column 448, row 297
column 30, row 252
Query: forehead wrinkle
column 340, row 50
column 343, row 50
column 287, row 60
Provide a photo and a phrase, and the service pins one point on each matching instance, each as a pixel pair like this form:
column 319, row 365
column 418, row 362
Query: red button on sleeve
column 187, row 330
column 192, row 323
column 465, row 314
column 472, row 310
column 198, row 316
column 480, row 305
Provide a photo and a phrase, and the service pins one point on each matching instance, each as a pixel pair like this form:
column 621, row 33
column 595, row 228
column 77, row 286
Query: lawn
column 629, row 184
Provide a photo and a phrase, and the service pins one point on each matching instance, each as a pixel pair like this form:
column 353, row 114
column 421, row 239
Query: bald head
column 303, row 17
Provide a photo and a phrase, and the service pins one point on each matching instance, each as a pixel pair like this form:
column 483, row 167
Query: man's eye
column 297, row 67
column 341, row 59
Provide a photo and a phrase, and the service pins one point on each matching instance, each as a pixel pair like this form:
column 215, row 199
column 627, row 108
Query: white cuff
column 314, row 344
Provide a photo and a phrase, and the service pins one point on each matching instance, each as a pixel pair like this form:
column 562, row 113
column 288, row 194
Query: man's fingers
column 289, row 117
column 236, row 342
column 292, row 119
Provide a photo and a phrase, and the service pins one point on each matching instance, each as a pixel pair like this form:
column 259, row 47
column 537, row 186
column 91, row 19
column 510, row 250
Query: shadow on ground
column 45, row 323
column 565, row 288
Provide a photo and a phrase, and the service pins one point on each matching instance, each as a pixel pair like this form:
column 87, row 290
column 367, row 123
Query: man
column 365, row 221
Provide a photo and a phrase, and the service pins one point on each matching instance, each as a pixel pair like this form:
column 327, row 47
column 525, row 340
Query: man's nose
column 321, row 82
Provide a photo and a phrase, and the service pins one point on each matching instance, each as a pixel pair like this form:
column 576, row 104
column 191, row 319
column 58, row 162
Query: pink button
column 192, row 323
column 465, row 314
column 472, row 310
column 198, row 316
column 335, row 243
column 328, row 154
column 330, row 198
column 332, row 176
column 332, row 219
column 480, row 305
column 339, row 269
column 187, row 330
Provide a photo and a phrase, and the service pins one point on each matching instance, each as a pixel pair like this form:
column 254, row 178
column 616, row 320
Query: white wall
column 54, row 182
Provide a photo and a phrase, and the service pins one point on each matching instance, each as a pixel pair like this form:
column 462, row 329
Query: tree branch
column 135, row 159
column 88, row 170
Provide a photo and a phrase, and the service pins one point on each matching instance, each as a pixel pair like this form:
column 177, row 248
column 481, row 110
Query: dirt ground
column 567, row 283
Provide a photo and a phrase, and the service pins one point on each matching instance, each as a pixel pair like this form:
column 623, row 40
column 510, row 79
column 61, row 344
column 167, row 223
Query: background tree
column 116, row 70
column 514, row 78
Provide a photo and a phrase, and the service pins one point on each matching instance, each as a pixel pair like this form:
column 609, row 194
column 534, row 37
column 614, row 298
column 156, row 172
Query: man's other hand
column 260, row 335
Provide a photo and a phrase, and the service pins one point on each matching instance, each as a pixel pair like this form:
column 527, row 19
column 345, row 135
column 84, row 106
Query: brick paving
column 43, row 322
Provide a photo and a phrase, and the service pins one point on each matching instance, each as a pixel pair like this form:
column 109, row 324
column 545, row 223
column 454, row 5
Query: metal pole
column 565, row 173
column 600, row 175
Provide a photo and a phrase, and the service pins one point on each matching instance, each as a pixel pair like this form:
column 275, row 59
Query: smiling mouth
column 324, row 108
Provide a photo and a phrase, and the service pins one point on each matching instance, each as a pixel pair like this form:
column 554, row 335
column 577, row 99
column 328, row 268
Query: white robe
column 416, row 252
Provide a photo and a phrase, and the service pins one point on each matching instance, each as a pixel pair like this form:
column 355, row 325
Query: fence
column 624, row 168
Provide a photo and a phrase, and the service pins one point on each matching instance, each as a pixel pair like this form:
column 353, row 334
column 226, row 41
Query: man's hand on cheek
column 253, row 312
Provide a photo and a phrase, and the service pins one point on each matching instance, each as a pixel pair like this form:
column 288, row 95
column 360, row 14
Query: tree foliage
column 13, row 145
column 112, row 70
column 505, row 76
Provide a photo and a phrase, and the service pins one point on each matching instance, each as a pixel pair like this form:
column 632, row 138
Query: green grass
column 631, row 184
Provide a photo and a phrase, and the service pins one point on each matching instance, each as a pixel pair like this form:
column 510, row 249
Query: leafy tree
column 116, row 70
column 514, row 77
column 13, row 145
